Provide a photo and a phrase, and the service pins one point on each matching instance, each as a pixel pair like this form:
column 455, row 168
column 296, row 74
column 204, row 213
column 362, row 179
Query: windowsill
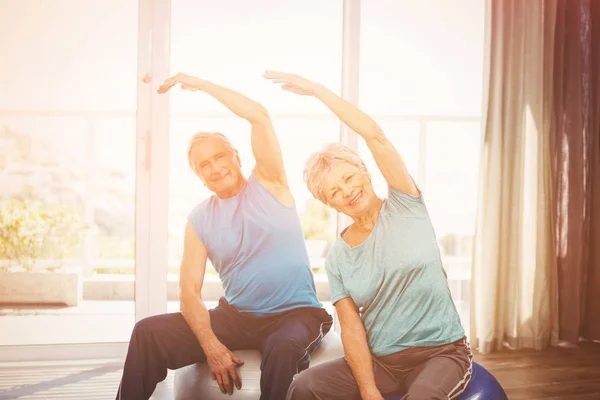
column 121, row 287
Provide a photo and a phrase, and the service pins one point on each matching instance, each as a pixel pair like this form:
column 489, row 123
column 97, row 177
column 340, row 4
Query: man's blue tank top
column 256, row 244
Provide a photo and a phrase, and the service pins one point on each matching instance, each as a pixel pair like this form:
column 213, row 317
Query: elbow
column 260, row 115
column 353, row 339
column 375, row 134
column 182, row 301
column 351, row 352
column 186, row 298
column 348, row 336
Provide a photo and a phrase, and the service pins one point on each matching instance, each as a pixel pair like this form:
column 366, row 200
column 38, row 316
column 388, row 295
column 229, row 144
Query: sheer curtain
column 514, row 286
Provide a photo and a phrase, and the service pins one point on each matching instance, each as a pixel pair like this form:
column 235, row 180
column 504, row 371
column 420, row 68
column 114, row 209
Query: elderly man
column 251, row 232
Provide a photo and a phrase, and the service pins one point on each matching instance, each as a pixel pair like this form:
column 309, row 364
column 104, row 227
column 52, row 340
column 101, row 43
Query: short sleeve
column 336, row 287
column 196, row 220
column 406, row 204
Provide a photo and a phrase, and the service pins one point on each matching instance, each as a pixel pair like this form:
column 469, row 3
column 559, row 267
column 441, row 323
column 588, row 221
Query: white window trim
column 152, row 173
column 152, row 167
column 350, row 78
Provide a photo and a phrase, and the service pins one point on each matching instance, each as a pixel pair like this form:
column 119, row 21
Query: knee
column 302, row 387
column 143, row 325
column 285, row 348
column 144, row 328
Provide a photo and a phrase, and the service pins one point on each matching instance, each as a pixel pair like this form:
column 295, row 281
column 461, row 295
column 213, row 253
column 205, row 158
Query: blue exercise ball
column 483, row 386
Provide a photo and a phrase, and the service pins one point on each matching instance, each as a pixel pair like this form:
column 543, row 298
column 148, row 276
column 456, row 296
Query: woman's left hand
column 293, row 83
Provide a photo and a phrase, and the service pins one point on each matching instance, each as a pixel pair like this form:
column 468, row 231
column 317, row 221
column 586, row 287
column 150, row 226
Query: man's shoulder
column 259, row 189
column 201, row 208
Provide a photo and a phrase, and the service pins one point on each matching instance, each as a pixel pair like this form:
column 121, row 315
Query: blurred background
column 72, row 142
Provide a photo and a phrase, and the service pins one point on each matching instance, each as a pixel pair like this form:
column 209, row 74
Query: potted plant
column 34, row 241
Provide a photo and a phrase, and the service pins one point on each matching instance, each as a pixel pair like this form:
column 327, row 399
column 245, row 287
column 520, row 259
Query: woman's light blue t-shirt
column 397, row 280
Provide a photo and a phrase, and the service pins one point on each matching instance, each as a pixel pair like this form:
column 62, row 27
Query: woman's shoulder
column 337, row 253
column 334, row 251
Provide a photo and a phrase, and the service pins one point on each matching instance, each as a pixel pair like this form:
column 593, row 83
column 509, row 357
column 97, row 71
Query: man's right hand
column 223, row 364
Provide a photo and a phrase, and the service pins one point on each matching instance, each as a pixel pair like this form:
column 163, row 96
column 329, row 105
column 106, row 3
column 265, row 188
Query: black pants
column 166, row 341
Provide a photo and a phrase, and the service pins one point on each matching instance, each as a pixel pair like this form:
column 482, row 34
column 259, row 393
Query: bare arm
column 265, row 146
column 191, row 279
column 356, row 348
column 386, row 156
column 221, row 360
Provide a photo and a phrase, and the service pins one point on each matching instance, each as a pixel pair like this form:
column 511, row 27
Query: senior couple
column 399, row 327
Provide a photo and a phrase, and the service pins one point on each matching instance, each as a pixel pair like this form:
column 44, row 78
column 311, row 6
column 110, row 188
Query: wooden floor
column 75, row 380
column 556, row 373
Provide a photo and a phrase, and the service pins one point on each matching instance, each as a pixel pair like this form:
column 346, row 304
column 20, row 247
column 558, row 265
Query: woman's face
column 348, row 189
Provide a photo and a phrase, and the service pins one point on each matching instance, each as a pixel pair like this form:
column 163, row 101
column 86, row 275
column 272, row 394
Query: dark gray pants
column 440, row 372
column 166, row 341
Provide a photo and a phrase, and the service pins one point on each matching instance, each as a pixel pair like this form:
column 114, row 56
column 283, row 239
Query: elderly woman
column 400, row 329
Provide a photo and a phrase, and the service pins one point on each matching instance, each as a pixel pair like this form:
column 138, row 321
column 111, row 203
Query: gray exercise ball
column 194, row 382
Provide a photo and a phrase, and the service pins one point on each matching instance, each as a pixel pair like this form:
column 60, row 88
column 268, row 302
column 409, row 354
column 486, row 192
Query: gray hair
column 320, row 162
column 203, row 135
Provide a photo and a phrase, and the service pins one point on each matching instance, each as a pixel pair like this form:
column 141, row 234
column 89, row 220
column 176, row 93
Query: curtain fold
column 514, row 290
column 591, row 328
column 576, row 168
column 536, row 261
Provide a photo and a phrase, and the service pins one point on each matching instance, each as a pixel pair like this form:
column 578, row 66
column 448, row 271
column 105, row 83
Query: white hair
column 320, row 162
column 203, row 135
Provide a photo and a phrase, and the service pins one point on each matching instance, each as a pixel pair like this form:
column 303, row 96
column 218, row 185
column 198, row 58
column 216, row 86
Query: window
column 421, row 66
column 233, row 46
column 68, row 99
column 421, row 57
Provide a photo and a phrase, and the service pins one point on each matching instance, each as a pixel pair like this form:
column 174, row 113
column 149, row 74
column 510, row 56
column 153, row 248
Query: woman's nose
column 346, row 191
